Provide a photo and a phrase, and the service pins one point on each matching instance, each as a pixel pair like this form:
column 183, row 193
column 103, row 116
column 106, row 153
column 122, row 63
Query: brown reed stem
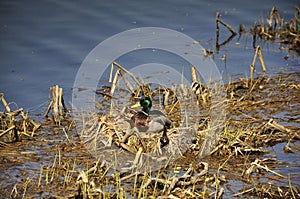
column 252, row 65
column 128, row 72
column 219, row 21
column 127, row 83
column 113, row 86
column 111, row 72
column 7, row 130
column 224, row 24
column 194, row 76
column 7, row 108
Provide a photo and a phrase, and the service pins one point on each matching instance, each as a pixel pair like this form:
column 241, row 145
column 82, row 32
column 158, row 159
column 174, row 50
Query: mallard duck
column 148, row 121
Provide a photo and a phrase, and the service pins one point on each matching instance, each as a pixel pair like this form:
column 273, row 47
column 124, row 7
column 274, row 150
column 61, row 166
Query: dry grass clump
column 15, row 124
column 56, row 106
column 254, row 121
column 178, row 183
column 277, row 27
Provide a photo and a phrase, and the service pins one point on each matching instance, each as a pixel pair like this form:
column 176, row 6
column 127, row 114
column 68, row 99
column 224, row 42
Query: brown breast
column 140, row 119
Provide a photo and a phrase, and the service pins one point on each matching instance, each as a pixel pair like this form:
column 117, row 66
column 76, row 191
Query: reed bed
column 15, row 124
column 253, row 124
column 236, row 155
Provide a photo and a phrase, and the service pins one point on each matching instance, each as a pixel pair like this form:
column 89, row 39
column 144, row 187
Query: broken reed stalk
column 7, row 108
column 26, row 118
column 217, row 32
column 16, row 112
column 111, row 72
column 57, row 104
column 113, row 88
column 57, row 108
column 233, row 33
column 128, row 72
column 119, row 72
column 7, row 130
column 194, row 76
column 261, row 60
column 274, row 16
column 127, row 83
column 113, row 85
column 218, row 20
column 252, row 65
column 48, row 109
column 277, row 126
column 256, row 163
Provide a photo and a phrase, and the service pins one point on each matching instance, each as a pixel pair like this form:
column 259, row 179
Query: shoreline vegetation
column 260, row 112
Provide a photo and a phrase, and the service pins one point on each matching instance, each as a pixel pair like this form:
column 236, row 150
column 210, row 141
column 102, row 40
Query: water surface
column 43, row 43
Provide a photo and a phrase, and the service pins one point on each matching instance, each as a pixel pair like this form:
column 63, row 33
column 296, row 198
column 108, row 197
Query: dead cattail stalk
column 277, row 126
column 111, row 72
column 113, row 85
column 261, row 60
column 256, row 163
column 128, row 72
column 252, row 68
column 48, row 109
column 127, row 83
column 35, row 125
column 7, row 108
column 15, row 126
column 218, row 20
column 16, row 112
column 113, row 88
column 252, row 65
column 7, row 130
column 220, row 193
column 56, row 104
column 194, row 76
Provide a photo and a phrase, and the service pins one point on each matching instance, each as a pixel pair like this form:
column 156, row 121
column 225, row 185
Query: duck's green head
column 146, row 103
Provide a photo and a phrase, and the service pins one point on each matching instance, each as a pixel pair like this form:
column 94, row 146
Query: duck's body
column 152, row 123
column 147, row 122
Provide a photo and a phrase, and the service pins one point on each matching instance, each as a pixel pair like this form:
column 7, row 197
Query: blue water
column 43, row 43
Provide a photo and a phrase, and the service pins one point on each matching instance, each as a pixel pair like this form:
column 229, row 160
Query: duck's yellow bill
column 136, row 105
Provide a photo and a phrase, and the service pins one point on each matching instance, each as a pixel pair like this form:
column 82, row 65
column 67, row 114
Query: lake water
column 43, row 43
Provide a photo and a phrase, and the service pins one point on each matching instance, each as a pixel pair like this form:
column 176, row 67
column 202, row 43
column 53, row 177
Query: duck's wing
column 158, row 116
column 158, row 123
